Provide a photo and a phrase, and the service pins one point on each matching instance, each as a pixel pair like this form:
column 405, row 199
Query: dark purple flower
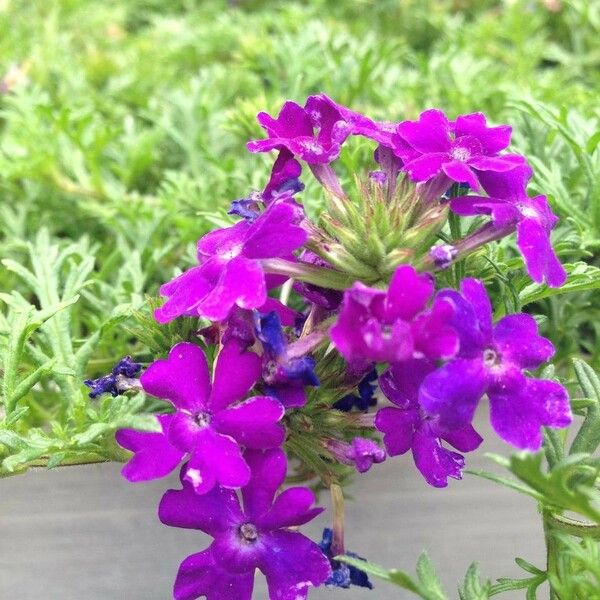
column 284, row 372
column 255, row 537
column 364, row 399
column 491, row 361
column 392, row 326
column 230, row 272
column 361, row 453
column 510, row 207
column 407, row 427
column 118, row 381
column 343, row 575
column 211, row 422
column 457, row 150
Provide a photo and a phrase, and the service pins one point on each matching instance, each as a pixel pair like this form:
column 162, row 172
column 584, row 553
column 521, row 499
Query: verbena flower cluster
column 304, row 319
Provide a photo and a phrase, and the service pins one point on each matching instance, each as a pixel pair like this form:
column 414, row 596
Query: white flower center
column 460, row 153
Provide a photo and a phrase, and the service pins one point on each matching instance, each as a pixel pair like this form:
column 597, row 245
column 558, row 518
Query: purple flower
column 316, row 132
column 211, row 422
column 406, row 426
column 457, row 150
column 294, row 130
column 343, row 576
column 392, row 326
column 361, row 453
column 510, row 207
column 284, row 373
column 491, row 361
column 443, row 255
column 230, row 272
column 255, row 537
column 118, row 381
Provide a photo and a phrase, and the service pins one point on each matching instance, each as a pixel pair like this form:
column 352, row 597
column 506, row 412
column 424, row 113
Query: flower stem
column 337, row 501
column 327, row 278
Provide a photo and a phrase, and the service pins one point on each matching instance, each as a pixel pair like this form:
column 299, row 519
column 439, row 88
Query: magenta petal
column 461, row 172
column 492, row 139
column 434, row 462
column 508, row 185
column 268, row 470
column 183, row 431
column 224, row 243
column 408, row 293
column 154, row 457
column 425, row 167
column 518, row 417
column 291, row 508
column 292, row 121
column 431, row 133
column 274, row 233
column 184, row 293
column 464, row 440
column 503, row 213
column 401, row 382
column 453, row 391
column 292, row 564
column 286, row 315
column 398, row 427
column 201, row 575
column 516, row 336
column 533, row 240
column 218, row 456
column 433, row 335
column 212, row 513
column 290, row 396
column 182, row 378
column 497, row 164
column 236, row 371
column 253, row 423
column 242, row 282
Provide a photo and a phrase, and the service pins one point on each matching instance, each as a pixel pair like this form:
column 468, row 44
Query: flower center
column 248, row 533
column 231, row 252
column 528, row 211
column 202, row 419
column 311, row 146
column 460, row 153
column 491, row 358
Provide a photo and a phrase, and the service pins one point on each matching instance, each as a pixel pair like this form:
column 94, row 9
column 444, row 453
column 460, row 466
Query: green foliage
column 426, row 584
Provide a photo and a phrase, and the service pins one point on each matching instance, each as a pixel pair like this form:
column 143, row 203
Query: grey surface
column 82, row 533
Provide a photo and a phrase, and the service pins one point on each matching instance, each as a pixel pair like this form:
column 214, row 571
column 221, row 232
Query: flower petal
column 434, row 462
column 292, row 563
column 154, row 457
column 268, row 470
column 517, row 337
column 492, row 139
column 475, row 293
column 227, row 387
column 461, row 172
column 182, row 378
column 407, row 294
column 211, row 513
column 291, row 508
column 241, row 282
column 464, row 440
column 453, row 391
column 518, row 417
column 425, row 167
column 253, row 423
column 431, row 133
column 201, row 575
column 398, row 427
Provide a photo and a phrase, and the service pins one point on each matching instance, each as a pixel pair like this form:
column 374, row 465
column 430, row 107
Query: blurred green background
column 123, row 126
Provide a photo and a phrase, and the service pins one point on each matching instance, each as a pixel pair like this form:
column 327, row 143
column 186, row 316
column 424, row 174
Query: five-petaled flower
column 257, row 536
column 491, row 361
column 212, row 420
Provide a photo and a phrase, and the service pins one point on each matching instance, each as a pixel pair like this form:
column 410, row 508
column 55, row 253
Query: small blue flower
column 366, row 395
column 115, row 383
column 343, row 575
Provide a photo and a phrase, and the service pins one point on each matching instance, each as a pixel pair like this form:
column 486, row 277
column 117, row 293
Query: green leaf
column 472, row 588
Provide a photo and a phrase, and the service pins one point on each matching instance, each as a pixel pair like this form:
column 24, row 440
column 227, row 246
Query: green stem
column 552, row 551
column 327, row 278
